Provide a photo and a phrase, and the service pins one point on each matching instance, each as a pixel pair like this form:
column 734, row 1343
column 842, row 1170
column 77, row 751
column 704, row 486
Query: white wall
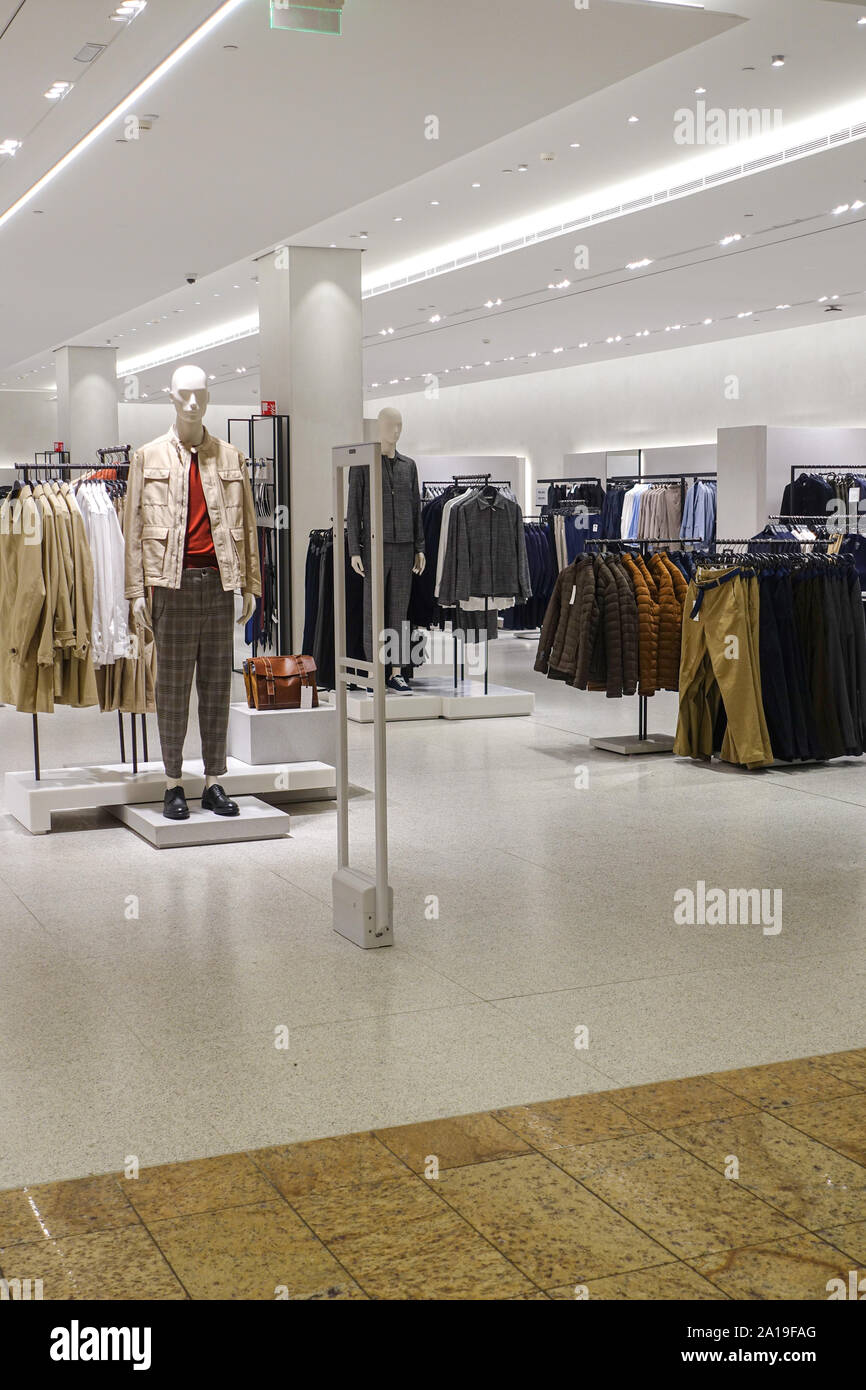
column 803, row 376
column 28, row 422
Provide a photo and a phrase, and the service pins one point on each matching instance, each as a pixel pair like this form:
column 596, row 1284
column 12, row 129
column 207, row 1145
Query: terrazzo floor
column 625, row 1194
column 143, row 993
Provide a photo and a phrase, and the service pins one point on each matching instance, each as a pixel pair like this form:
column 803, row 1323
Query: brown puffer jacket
column 614, row 666
column 646, row 596
column 670, row 626
column 628, row 620
column 680, row 591
column 570, row 623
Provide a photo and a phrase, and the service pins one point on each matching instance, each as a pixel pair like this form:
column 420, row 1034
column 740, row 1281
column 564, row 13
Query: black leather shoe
column 174, row 805
column 214, row 799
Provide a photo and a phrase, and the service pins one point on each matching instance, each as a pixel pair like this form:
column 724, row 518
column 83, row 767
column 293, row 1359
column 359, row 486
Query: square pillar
column 310, row 344
column 87, row 400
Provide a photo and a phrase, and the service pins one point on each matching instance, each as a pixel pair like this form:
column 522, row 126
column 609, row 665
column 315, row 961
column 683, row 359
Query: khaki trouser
column 721, row 660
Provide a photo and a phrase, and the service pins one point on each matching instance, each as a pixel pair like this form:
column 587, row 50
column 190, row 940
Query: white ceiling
column 313, row 139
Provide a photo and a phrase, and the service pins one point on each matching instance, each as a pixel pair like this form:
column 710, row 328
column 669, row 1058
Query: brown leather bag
column 276, row 682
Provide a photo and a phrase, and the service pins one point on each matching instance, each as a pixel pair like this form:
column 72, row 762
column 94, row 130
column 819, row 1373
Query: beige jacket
column 157, row 500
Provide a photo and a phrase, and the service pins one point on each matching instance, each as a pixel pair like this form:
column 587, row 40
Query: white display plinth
column 423, row 704
column 470, row 701
column 283, row 735
column 437, row 698
column 256, row 821
column 81, row 788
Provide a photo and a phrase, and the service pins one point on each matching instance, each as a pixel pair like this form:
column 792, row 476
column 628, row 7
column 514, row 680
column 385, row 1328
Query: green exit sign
column 319, row 17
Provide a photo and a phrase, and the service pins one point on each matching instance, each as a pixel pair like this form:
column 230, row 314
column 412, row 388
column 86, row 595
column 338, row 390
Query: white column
column 743, row 493
column 310, row 330
column 87, row 400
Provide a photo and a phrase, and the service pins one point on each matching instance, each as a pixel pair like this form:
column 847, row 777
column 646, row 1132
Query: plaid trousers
column 193, row 627
column 398, row 559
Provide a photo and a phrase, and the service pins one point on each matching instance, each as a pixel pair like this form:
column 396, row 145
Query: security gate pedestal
column 363, row 905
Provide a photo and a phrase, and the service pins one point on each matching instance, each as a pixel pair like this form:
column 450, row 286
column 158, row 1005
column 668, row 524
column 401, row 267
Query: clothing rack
column 643, row 741
column 584, row 478
column 48, row 470
column 660, row 477
column 468, row 480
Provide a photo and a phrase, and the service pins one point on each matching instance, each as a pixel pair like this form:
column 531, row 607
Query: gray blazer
column 401, row 505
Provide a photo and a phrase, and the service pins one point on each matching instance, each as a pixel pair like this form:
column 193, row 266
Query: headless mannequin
column 190, row 397
column 397, row 579
column 390, row 428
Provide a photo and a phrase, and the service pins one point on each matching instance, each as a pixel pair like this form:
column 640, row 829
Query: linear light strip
column 228, row 333
column 847, row 135
column 135, row 95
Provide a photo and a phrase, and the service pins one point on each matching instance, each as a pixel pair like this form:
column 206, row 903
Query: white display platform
column 258, row 736
column 79, row 788
column 469, row 701
column 424, row 704
column 436, row 698
column 256, row 821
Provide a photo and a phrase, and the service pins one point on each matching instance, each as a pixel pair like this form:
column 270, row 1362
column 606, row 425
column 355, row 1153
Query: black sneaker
column 174, row 805
column 398, row 686
column 214, row 799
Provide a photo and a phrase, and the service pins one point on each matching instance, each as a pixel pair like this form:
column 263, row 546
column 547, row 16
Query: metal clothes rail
column 49, row 472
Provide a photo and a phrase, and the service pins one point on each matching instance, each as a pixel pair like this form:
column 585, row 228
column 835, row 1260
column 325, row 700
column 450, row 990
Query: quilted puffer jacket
column 570, row 623
column 646, row 596
column 670, row 626
column 614, row 666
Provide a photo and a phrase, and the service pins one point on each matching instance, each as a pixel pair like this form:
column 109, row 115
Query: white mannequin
column 190, row 397
column 390, row 428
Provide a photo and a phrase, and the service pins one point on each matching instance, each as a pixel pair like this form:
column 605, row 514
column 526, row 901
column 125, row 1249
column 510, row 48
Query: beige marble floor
column 628, row 1194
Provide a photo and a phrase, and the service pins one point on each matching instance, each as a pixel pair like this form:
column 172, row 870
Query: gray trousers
column 193, row 627
column 398, row 560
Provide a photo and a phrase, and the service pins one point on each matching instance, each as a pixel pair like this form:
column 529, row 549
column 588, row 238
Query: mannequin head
column 390, row 429
column 190, row 396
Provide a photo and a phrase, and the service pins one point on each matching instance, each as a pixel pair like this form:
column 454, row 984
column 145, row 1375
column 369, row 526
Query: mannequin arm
column 420, row 562
column 248, row 609
column 140, row 611
column 358, row 565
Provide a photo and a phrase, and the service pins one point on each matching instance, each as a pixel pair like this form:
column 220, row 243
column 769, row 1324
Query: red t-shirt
column 199, row 550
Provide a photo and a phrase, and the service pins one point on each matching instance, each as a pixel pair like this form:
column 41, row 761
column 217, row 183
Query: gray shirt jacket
column 486, row 553
column 401, row 505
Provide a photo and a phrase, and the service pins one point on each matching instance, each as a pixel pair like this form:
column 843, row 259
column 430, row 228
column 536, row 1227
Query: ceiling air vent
column 89, row 52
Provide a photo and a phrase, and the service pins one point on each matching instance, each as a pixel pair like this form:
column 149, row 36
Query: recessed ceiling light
column 522, row 168
column 575, row 145
column 700, row 91
column 823, row 299
column 633, row 120
column 777, row 60
column 707, row 322
column 745, row 314
column 857, row 205
column 862, row 19
column 533, row 354
column 487, row 363
column 212, row 377
column 9, row 146
column 639, row 265
column 583, row 345
column 727, row 240
column 398, row 219
column 395, row 381
column 476, row 185
column 373, row 385
column 434, row 203
column 783, row 306
column 559, row 349
column 437, row 318
column 843, row 207
column 492, row 303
